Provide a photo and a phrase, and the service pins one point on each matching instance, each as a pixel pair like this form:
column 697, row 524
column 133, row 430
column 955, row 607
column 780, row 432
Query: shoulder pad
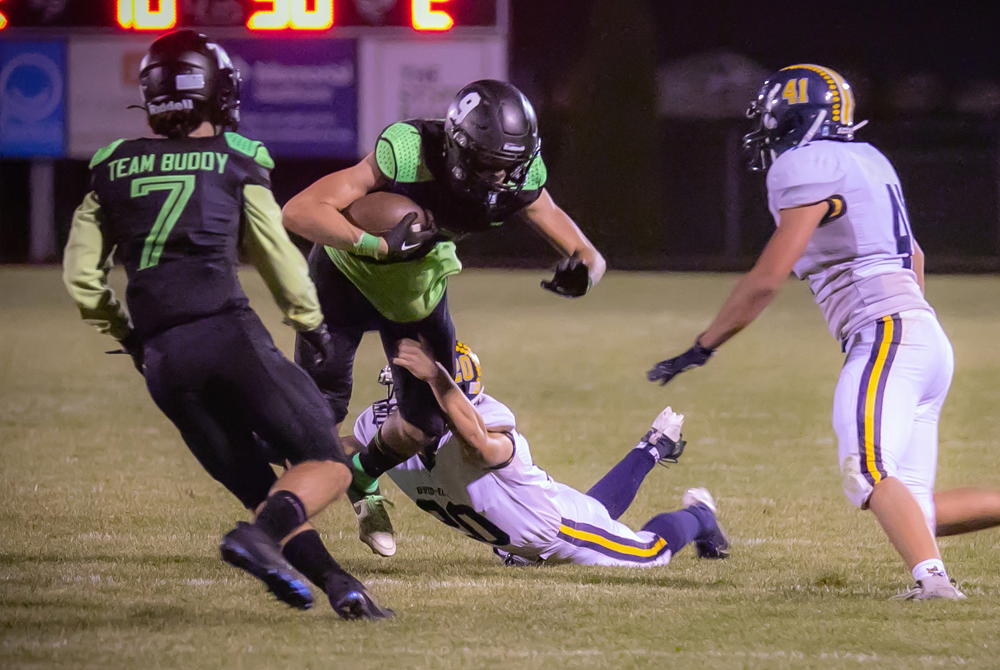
column 399, row 154
column 104, row 154
column 252, row 148
column 537, row 175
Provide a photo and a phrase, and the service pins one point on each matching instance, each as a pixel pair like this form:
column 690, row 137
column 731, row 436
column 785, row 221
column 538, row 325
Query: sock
column 376, row 459
column 932, row 567
column 618, row 488
column 283, row 512
column 307, row 554
column 362, row 480
column 681, row 527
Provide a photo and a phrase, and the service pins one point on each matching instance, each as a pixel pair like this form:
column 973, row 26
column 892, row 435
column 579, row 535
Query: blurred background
column 640, row 104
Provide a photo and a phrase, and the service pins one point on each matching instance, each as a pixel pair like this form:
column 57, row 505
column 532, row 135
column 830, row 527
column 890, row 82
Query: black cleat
column 713, row 544
column 351, row 601
column 248, row 548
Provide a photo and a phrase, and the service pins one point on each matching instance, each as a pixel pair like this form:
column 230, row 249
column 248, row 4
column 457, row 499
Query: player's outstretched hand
column 417, row 358
column 132, row 346
column 407, row 238
column 571, row 279
column 666, row 370
column 318, row 349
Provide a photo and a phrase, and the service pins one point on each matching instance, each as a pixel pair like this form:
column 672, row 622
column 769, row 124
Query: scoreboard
column 255, row 16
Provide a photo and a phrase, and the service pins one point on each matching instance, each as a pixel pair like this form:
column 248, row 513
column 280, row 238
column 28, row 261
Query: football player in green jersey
column 176, row 209
column 476, row 169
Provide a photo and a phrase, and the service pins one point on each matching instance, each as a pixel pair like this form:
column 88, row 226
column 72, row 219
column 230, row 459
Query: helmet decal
column 843, row 96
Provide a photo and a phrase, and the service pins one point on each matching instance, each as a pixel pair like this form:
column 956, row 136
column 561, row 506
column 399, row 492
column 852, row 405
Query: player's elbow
column 294, row 213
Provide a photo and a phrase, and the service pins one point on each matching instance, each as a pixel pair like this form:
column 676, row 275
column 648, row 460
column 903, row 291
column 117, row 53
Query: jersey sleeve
column 804, row 177
column 252, row 158
column 497, row 416
column 399, row 154
column 279, row 262
column 537, row 175
column 86, row 263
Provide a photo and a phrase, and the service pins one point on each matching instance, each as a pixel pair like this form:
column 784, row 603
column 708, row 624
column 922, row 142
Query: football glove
column 405, row 240
column 666, row 370
column 132, row 346
column 318, row 348
column 571, row 278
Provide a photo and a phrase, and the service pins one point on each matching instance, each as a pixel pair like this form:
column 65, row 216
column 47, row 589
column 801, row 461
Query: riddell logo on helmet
column 510, row 146
column 172, row 106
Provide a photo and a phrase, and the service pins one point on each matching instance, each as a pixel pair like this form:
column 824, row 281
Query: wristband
column 368, row 245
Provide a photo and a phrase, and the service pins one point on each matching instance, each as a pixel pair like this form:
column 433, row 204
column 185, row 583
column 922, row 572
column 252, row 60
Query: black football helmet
column 795, row 106
column 491, row 138
column 184, row 70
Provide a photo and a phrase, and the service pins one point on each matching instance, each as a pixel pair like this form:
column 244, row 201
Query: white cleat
column 668, row 423
column 374, row 526
column 932, row 588
column 699, row 496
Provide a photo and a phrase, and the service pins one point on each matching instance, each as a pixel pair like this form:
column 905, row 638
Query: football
column 378, row 212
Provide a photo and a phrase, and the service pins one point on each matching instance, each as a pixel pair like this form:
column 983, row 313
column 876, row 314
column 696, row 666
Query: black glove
column 571, row 279
column 316, row 349
column 404, row 242
column 132, row 346
column 666, row 370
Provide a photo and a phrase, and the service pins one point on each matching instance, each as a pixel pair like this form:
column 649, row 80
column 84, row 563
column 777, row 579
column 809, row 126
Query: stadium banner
column 32, row 98
column 410, row 78
column 103, row 82
column 299, row 96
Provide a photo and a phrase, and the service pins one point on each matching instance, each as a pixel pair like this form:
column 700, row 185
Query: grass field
column 109, row 528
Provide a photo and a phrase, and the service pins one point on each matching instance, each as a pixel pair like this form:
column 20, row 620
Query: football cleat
column 713, row 542
column 664, row 438
column 374, row 525
column 351, row 600
column 932, row 588
column 248, row 548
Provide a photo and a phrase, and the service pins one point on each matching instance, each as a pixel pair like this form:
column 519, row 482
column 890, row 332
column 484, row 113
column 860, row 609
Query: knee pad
column 856, row 486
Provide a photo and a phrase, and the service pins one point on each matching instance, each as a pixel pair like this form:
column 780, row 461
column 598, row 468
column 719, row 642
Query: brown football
column 378, row 212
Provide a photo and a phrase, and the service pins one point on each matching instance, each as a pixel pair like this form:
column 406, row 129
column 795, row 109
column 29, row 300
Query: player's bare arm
column 315, row 213
column 555, row 226
column 755, row 290
column 492, row 448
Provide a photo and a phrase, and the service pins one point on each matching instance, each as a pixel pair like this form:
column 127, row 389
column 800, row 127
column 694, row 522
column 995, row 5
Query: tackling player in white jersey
column 480, row 480
column 842, row 225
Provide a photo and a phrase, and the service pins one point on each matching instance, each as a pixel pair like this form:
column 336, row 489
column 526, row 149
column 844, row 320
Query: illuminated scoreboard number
column 296, row 15
column 142, row 15
column 254, row 15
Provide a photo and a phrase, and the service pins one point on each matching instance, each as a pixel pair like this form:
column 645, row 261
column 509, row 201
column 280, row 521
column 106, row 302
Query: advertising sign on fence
column 405, row 79
column 32, row 99
column 300, row 97
column 104, row 81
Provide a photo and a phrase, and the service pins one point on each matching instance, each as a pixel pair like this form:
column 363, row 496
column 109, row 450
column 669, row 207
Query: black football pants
column 349, row 315
column 222, row 381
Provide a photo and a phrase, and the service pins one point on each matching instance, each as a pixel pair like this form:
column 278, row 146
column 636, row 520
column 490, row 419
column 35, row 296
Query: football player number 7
column 179, row 189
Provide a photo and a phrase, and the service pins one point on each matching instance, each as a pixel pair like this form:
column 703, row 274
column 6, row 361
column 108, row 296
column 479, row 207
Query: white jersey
column 859, row 260
column 517, row 507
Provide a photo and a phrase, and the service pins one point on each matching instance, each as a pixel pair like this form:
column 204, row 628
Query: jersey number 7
column 179, row 189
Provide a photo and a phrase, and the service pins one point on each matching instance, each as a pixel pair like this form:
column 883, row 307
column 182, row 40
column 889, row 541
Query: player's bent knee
column 856, row 487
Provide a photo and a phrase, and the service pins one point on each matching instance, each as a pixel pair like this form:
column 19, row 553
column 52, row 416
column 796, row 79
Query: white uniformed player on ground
column 480, row 480
column 843, row 226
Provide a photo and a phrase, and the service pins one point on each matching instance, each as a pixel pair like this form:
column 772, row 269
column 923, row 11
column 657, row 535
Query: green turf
column 109, row 528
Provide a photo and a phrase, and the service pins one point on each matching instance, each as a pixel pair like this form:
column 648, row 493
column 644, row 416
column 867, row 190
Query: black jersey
column 411, row 155
column 173, row 208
